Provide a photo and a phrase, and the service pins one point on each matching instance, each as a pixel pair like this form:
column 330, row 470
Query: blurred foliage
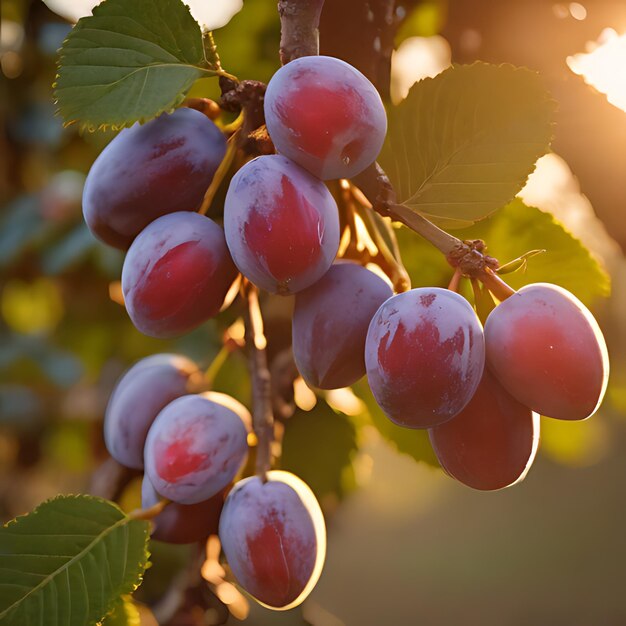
column 31, row 308
column 320, row 446
column 415, row 443
column 575, row 443
column 424, row 20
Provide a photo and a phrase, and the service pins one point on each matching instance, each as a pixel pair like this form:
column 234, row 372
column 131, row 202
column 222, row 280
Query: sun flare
column 602, row 66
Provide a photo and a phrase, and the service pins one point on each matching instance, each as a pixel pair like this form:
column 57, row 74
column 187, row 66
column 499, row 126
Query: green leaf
column 462, row 144
column 518, row 228
column 320, row 446
column 409, row 441
column 510, row 233
column 68, row 561
column 129, row 62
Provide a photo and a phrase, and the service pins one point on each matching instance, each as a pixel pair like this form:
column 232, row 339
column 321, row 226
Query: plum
column 547, row 350
column 182, row 523
column 194, row 449
column 330, row 323
column 274, row 538
column 149, row 170
column 425, row 355
column 492, row 442
column 140, row 394
column 281, row 223
column 176, row 274
column 326, row 116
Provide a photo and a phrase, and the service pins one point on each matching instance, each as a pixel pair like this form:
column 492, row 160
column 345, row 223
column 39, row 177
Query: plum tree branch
column 299, row 28
column 468, row 256
column 262, row 413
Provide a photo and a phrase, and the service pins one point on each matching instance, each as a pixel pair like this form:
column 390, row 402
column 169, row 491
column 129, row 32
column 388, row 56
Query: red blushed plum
column 326, row 116
column 547, row 350
column 274, row 538
column 141, row 393
column 492, row 442
column 330, row 323
column 425, row 355
column 176, row 274
column 194, row 449
column 281, row 223
column 162, row 166
column 182, row 523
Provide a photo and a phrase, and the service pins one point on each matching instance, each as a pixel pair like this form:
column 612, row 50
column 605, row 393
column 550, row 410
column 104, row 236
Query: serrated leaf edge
column 453, row 223
column 124, row 520
column 87, row 126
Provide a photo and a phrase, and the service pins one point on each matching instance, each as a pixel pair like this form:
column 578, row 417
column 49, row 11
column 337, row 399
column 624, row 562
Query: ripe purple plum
column 330, row 323
column 425, row 355
column 194, row 449
column 182, row 523
column 274, row 538
column 326, row 116
column 140, row 394
column 149, row 170
column 176, row 274
column 281, row 223
column 547, row 350
column 492, row 442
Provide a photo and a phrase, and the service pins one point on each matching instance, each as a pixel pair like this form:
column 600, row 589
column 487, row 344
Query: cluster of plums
column 428, row 361
column 480, row 394
column 191, row 447
column 282, row 232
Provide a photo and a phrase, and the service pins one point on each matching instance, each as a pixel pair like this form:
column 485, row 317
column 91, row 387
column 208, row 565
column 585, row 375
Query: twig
column 220, row 173
column 262, row 414
column 284, row 372
column 443, row 241
column 247, row 96
column 469, row 256
column 299, row 28
column 150, row 512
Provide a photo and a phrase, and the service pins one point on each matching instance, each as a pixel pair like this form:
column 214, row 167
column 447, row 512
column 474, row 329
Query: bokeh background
column 407, row 545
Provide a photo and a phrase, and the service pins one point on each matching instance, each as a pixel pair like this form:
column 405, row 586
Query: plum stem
column 216, row 365
column 208, row 107
column 299, row 28
column 455, row 280
column 467, row 256
column 388, row 259
column 151, row 512
column 496, row 285
column 262, row 413
column 220, row 173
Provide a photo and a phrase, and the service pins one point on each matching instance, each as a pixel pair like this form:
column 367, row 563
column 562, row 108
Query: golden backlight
column 602, row 66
